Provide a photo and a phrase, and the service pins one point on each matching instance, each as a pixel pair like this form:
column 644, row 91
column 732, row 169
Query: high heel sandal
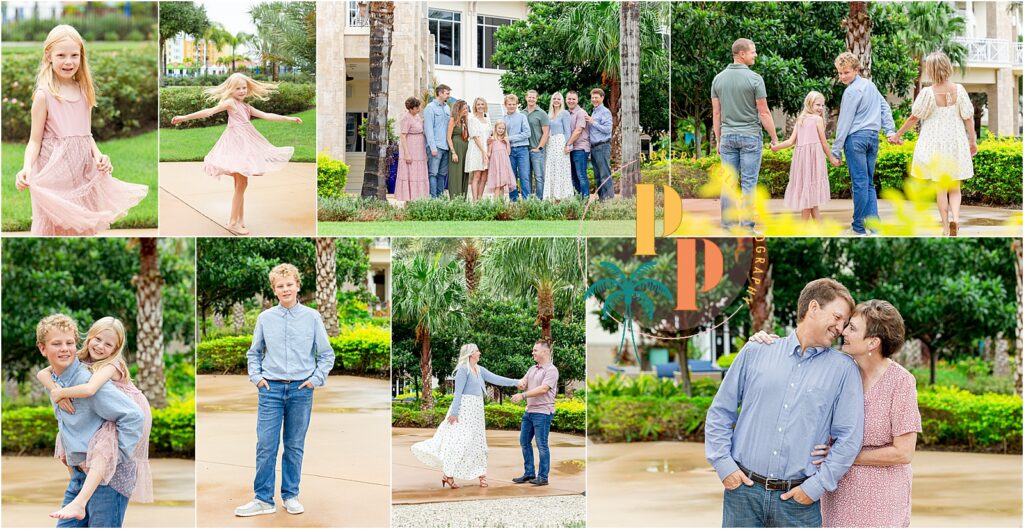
column 954, row 227
column 448, row 480
column 483, row 482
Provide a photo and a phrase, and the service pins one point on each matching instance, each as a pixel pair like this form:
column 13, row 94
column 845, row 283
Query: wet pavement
column 414, row 482
column 345, row 473
column 33, row 487
column 195, row 204
column 670, row 484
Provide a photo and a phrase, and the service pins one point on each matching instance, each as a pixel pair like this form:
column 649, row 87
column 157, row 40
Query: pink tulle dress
column 70, row 196
column 411, row 182
column 243, row 150
column 808, row 172
column 500, row 173
column 103, row 445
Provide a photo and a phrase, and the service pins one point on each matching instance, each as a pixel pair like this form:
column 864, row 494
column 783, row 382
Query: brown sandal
column 953, row 228
column 448, row 480
column 483, row 482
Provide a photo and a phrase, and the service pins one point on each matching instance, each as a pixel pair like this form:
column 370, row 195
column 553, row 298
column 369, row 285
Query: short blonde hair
column 512, row 97
column 938, row 67
column 741, row 45
column 55, row 322
column 847, row 60
column 285, row 270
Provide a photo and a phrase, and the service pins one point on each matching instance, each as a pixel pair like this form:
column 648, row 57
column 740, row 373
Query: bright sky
column 233, row 15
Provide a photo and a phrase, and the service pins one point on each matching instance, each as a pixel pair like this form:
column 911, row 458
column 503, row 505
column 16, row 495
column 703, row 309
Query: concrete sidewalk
column 33, row 487
column 345, row 472
column 279, row 204
column 414, row 482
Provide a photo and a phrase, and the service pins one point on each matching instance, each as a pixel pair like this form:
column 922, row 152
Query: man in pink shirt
column 540, row 385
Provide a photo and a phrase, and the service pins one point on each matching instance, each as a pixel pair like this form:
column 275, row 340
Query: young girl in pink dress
column 499, row 177
column 73, row 192
column 808, row 172
column 411, row 182
column 104, row 344
column 241, row 151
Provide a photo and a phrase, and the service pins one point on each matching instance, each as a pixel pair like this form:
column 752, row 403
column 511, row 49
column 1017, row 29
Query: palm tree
column 625, row 290
column 932, row 26
column 533, row 267
column 215, row 36
column 150, row 321
column 382, row 24
column 236, row 41
column 431, row 295
column 237, row 317
column 762, row 306
column 629, row 66
column 858, row 35
column 327, row 283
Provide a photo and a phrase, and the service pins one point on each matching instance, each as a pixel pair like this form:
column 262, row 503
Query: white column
column 330, row 77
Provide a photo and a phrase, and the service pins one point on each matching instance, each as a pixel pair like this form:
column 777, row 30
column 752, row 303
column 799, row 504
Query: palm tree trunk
column 762, row 306
column 327, row 284
column 150, row 319
column 614, row 104
column 470, row 256
column 684, row 365
column 545, row 310
column 427, row 402
column 1018, row 261
column 238, row 317
column 629, row 65
column 858, row 35
column 382, row 19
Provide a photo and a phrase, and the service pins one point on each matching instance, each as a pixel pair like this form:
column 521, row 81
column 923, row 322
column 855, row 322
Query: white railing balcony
column 359, row 14
column 1019, row 59
column 987, row 51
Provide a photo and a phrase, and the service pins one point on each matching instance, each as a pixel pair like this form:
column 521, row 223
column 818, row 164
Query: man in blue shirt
column 290, row 355
column 57, row 338
column 599, row 127
column 518, row 128
column 862, row 113
column 435, row 127
column 794, row 394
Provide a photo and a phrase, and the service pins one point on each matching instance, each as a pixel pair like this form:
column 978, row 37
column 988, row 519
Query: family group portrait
column 79, row 105
column 843, row 391
column 99, row 383
column 489, row 355
column 906, row 120
column 237, row 118
column 524, row 118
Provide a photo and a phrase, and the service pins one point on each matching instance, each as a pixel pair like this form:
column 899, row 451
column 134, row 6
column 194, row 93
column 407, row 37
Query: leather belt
column 783, row 485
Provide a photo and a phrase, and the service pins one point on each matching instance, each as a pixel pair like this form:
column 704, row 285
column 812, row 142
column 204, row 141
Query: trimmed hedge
column 126, row 93
column 107, row 27
column 215, row 79
column 362, row 349
column 289, row 98
column 346, row 208
column 33, row 431
column 570, row 415
column 997, row 172
column 331, row 176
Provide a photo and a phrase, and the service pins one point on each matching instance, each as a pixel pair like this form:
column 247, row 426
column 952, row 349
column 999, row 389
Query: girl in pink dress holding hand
column 411, row 182
column 241, row 151
column 104, row 344
column 499, row 177
column 808, row 173
column 73, row 192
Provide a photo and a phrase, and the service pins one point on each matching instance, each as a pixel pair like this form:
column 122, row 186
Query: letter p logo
column 686, row 271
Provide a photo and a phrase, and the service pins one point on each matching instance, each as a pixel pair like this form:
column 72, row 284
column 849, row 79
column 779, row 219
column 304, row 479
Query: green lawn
column 134, row 160
column 191, row 145
column 521, row 228
column 17, row 48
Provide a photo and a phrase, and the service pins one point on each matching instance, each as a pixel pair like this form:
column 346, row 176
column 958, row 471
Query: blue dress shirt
column 601, row 128
column 863, row 108
column 290, row 344
column 435, row 125
column 518, row 129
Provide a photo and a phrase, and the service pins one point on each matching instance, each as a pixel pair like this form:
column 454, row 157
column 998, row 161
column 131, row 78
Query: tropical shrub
column 289, row 98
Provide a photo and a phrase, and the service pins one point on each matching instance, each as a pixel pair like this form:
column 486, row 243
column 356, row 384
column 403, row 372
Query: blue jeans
column 105, row 509
column 754, row 506
column 601, row 156
column 520, row 158
column 437, row 171
column 861, row 150
column 284, row 404
column 742, row 152
column 535, row 425
column 580, row 180
column 537, row 168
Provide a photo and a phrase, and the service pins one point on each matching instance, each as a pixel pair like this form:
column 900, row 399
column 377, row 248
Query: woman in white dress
column 459, row 446
column 947, row 142
column 476, row 155
column 557, row 167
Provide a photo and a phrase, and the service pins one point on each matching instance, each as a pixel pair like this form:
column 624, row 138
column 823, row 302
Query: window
column 354, row 142
column 486, row 27
column 359, row 14
column 446, row 27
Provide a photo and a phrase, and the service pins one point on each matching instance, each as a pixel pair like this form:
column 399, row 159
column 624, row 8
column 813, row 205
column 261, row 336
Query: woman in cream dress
column 476, row 156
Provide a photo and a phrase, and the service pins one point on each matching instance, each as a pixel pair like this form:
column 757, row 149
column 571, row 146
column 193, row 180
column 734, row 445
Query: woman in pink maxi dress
column 411, row 182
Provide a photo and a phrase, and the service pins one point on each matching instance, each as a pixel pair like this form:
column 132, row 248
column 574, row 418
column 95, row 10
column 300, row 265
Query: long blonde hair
column 551, row 107
column 464, row 353
column 224, row 91
column 504, row 129
column 47, row 80
column 106, row 323
column 808, row 109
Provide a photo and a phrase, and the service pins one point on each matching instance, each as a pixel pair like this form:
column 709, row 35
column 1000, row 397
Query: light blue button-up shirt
column 790, row 402
column 601, row 128
column 863, row 108
column 108, row 404
column 290, row 344
column 561, row 125
column 435, row 125
column 518, row 129
column 466, row 383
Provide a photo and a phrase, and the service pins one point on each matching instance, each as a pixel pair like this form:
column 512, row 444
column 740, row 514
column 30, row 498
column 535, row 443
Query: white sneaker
column 256, row 508
column 293, row 506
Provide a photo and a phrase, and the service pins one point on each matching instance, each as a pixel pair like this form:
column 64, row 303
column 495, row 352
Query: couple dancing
column 459, row 447
column 825, row 437
column 103, row 421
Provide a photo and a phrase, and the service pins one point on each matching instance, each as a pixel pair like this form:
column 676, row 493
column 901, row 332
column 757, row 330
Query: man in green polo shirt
column 538, row 120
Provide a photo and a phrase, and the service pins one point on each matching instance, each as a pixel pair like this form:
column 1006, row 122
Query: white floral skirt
column 460, row 449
